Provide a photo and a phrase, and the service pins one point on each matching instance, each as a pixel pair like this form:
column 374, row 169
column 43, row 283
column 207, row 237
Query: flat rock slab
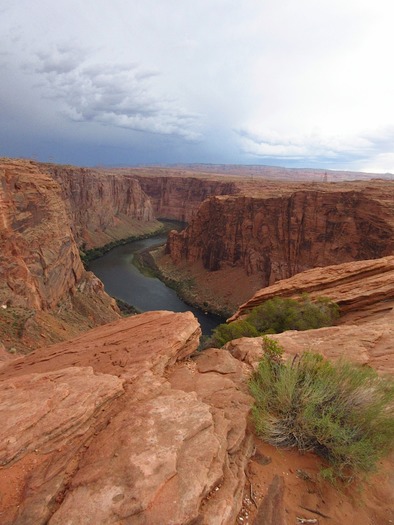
column 155, row 471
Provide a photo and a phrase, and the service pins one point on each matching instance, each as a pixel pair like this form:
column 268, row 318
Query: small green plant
column 340, row 411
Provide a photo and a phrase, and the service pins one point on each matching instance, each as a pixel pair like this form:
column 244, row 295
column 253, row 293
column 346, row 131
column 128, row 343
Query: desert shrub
column 340, row 411
column 226, row 332
column 279, row 314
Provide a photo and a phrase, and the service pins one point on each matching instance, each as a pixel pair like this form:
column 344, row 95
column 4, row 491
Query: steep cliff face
column 277, row 237
column 40, row 267
column 103, row 206
column 39, row 259
column 178, row 198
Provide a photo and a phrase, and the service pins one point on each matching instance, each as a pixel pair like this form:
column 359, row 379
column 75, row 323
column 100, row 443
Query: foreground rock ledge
column 118, row 426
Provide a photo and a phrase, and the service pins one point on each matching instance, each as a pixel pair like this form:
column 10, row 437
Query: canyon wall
column 39, row 258
column 275, row 237
column 103, row 206
column 40, row 268
column 179, row 197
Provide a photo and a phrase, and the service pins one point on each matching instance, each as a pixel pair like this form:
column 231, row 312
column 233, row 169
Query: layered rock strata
column 364, row 291
column 179, row 197
column 275, row 237
column 40, row 268
column 152, row 439
column 103, row 206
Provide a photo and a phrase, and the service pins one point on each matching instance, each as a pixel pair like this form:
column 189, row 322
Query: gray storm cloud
column 305, row 83
column 110, row 94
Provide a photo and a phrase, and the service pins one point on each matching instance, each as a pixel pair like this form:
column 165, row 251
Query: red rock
column 277, row 236
column 62, row 407
column 47, row 292
column 370, row 343
column 172, row 448
column 363, row 289
column 271, row 510
column 178, row 196
column 103, row 206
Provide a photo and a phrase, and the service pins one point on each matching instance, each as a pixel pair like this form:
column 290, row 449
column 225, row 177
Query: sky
column 295, row 83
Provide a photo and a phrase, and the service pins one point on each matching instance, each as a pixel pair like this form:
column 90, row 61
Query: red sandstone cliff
column 178, row 197
column 103, row 206
column 275, row 237
column 40, row 269
column 177, row 191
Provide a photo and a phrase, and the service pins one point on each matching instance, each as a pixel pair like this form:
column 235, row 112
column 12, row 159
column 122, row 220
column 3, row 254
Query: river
column 123, row 280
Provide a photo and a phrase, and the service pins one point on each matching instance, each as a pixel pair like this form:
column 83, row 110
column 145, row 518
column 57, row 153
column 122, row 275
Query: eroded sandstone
column 363, row 289
column 44, row 289
column 154, row 438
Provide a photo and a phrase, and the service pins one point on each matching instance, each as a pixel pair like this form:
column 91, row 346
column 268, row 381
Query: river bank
column 219, row 292
column 90, row 255
column 190, row 285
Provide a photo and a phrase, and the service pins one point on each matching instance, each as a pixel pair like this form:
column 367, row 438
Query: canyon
column 105, row 418
column 97, row 431
column 264, row 238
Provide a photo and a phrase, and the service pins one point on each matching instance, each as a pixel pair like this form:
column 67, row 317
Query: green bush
column 277, row 315
column 227, row 332
column 340, row 411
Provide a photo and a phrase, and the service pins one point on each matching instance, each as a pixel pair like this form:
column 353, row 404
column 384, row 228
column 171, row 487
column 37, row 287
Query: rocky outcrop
column 145, row 419
column 103, row 206
column 40, row 267
column 363, row 290
column 275, row 237
column 39, row 258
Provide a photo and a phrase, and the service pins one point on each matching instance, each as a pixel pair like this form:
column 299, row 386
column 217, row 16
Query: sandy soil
column 308, row 497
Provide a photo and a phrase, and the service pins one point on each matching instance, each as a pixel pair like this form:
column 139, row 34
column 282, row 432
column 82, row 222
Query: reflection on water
column 124, row 281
